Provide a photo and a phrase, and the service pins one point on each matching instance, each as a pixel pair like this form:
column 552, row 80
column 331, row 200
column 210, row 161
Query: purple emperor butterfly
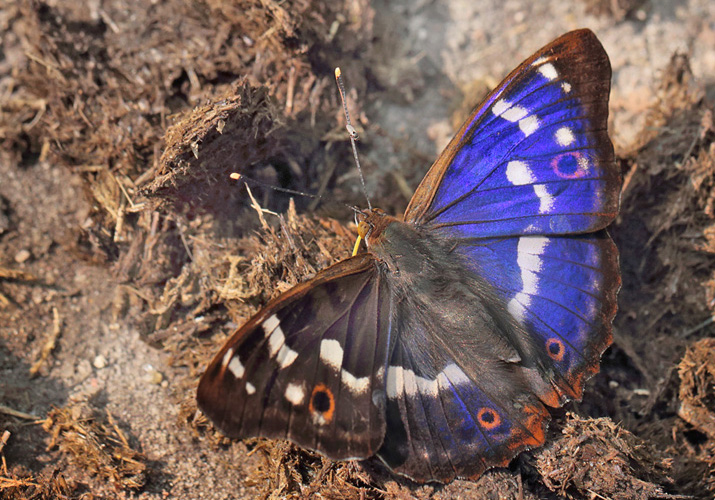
column 440, row 349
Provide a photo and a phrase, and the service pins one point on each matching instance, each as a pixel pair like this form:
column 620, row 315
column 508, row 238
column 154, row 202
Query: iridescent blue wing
column 534, row 157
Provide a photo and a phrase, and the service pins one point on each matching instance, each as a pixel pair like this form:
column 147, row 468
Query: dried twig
column 4, row 439
column 15, row 413
column 260, row 210
column 49, row 345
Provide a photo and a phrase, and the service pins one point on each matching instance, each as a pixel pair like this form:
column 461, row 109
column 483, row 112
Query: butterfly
column 440, row 349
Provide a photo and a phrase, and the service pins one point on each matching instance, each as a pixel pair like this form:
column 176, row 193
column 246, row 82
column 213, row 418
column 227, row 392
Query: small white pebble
column 22, row 256
column 99, row 362
column 153, row 377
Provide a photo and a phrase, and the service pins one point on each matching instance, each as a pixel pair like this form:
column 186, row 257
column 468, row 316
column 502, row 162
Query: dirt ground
column 127, row 255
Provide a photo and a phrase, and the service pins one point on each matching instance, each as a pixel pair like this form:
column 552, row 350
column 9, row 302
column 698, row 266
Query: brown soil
column 127, row 255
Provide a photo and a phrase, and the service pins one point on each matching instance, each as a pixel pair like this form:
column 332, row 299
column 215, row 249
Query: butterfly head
column 371, row 225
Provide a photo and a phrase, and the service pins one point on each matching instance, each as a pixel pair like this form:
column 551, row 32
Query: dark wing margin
column 310, row 366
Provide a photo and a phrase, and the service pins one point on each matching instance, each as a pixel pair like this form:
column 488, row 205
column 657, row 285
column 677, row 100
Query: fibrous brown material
column 226, row 135
column 98, row 86
column 596, row 458
column 97, row 444
column 697, row 397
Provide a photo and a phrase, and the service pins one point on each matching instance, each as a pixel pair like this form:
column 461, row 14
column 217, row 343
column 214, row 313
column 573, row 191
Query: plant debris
column 94, row 442
column 619, row 465
column 49, row 344
column 697, row 398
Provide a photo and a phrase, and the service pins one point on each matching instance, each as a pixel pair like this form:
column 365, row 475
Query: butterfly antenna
column 351, row 132
column 250, row 180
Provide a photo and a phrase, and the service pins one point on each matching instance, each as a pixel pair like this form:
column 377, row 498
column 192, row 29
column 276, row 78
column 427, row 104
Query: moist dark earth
column 128, row 255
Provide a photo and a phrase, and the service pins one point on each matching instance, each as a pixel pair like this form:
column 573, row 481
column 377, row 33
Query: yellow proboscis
column 357, row 245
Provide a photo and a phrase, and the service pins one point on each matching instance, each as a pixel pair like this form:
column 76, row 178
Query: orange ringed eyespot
column 571, row 165
column 555, row 349
column 322, row 403
column 488, row 418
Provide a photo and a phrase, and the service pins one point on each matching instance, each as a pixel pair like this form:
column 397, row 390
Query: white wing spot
column 410, row 381
column 395, row 381
column 427, row 386
column 356, row 385
column 286, row 356
column 514, row 114
column 549, row 72
column 582, row 163
column 295, row 394
column 518, row 173
column 236, row 367
column 517, row 306
column 566, row 86
column 271, row 324
column 500, row 106
column 529, row 125
column 276, row 341
column 546, row 201
column 564, row 136
column 226, row 358
column 331, row 353
column 455, row 375
column 528, row 259
column 250, row 388
column 400, row 379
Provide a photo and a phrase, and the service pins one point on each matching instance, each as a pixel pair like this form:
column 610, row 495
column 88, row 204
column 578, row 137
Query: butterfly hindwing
column 562, row 290
column 458, row 402
column 535, row 157
column 310, row 366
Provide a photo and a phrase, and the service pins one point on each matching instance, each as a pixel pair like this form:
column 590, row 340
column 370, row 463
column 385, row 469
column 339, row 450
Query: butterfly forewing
column 535, row 157
column 310, row 366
